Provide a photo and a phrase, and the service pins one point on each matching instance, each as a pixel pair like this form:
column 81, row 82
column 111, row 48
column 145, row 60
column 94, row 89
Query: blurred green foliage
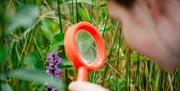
column 31, row 29
column 24, row 16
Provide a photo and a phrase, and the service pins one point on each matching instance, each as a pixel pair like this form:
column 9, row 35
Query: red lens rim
column 72, row 51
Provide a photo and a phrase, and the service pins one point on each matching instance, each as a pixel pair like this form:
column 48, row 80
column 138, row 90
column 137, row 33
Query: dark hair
column 126, row 3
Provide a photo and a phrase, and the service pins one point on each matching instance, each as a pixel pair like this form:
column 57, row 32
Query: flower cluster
column 52, row 69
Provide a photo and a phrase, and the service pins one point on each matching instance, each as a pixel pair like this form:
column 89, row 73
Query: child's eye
column 126, row 3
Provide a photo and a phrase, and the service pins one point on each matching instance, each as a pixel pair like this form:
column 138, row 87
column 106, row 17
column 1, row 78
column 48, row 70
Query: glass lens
column 86, row 46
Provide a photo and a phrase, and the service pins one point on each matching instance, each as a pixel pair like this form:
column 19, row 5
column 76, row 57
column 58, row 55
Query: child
column 151, row 27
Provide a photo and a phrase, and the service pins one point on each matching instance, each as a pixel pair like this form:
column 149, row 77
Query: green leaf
column 24, row 17
column 65, row 64
column 35, row 76
column 117, row 84
column 103, row 4
column 80, row 1
column 178, row 80
column 6, row 87
column 84, row 14
column 38, row 87
column 2, row 54
column 59, row 39
column 50, row 28
column 33, row 61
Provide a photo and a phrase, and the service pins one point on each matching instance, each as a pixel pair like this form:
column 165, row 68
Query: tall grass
column 31, row 29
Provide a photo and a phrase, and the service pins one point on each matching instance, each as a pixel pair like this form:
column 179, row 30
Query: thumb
column 85, row 86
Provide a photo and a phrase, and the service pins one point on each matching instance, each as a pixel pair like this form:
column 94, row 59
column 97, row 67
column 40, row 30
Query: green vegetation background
column 31, row 29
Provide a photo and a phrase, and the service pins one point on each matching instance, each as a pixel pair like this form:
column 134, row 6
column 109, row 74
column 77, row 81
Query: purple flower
column 52, row 68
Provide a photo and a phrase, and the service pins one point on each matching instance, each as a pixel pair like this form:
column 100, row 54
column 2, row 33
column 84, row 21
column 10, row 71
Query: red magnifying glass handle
column 74, row 55
column 82, row 74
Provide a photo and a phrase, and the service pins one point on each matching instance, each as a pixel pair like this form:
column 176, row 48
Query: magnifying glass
column 85, row 48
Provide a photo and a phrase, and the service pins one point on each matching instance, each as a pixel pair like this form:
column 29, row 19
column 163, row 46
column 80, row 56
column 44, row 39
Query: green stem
column 59, row 15
column 178, row 80
column 128, row 75
column 109, row 57
column 105, row 25
column 77, row 16
column 72, row 9
column 138, row 84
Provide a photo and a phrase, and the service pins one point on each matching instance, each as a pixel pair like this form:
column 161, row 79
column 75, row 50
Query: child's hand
column 85, row 86
column 152, row 27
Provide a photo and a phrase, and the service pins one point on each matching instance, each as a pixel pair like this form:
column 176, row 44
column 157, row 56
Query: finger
column 85, row 86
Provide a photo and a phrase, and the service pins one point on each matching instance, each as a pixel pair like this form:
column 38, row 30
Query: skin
column 154, row 32
column 151, row 27
column 85, row 86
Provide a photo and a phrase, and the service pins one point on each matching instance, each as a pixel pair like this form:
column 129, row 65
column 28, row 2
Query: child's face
column 151, row 27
